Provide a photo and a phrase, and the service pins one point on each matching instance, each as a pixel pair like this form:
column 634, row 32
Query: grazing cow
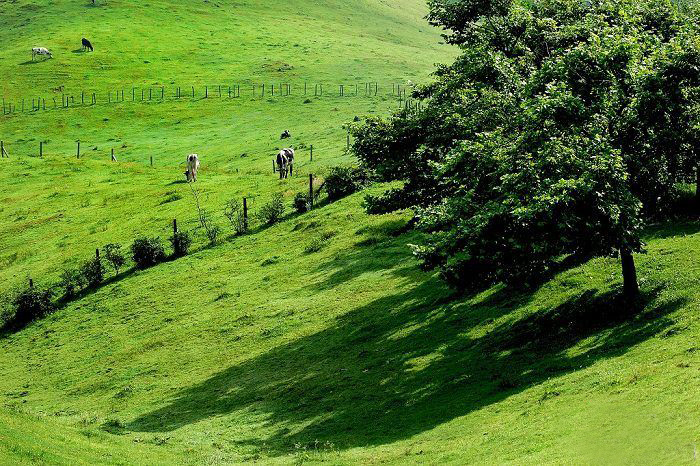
column 40, row 51
column 87, row 45
column 282, row 164
column 192, row 167
column 285, row 162
column 285, row 134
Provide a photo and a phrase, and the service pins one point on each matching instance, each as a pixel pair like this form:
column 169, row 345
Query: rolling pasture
column 317, row 339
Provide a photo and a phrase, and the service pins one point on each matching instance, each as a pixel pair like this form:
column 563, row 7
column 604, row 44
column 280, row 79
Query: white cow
column 40, row 51
column 192, row 167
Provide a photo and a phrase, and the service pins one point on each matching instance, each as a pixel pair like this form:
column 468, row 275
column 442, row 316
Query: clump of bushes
column 93, row 272
column 147, row 252
column 301, row 202
column 71, row 282
column 234, row 213
column 343, row 181
column 272, row 212
column 115, row 256
column 30, row 304
column 180, row 242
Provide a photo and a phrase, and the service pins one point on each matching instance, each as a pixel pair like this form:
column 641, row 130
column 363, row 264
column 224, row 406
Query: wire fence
column 60, row 99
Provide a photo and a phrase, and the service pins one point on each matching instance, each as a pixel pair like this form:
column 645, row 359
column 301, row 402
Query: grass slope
column 317, row 339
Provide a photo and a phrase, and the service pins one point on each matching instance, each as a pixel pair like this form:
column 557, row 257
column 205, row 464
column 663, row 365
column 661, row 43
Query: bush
column 181, row 243
column 301, row 202
column 273, row 211
column 71, row 281
column 147, row 252
column 343, row 181
column 29, row 305
column 93, row 272
column 114, row 255
column 234, row 213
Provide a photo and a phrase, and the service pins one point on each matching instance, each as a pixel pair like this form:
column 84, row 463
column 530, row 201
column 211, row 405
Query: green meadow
column 317, row 339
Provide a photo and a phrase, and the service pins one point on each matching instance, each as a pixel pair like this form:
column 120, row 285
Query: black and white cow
column 285, row 134
column 285, row 162
column 87, row 45
column 192, row 167
column 40, row 51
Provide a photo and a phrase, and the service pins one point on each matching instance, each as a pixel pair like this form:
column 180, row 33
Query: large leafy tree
column 560, row 127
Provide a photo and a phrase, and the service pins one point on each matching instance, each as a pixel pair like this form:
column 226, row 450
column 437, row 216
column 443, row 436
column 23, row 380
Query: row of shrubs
column 33, row 302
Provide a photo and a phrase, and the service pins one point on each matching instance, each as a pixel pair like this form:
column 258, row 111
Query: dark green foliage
column 343, row 181
column 71, row 282
column 114, row 255
column 147, row 252
column 30, row 304
column 272, row 212
column 561, row 128
column 301, row 202
column 180, row 242
column 93, row 272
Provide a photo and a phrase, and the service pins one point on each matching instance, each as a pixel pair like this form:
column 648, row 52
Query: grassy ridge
column 213, row 42
column 366, row 354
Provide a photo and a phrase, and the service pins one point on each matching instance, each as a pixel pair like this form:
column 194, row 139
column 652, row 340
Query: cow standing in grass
column 285, row 162
column 40, row 51
column 192, row 167
column 282, row 164
column 87, row 45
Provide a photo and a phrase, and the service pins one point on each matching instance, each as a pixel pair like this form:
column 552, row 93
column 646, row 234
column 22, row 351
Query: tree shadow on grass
column 409, row 362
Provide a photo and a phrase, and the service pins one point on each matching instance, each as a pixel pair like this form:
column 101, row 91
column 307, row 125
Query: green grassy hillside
column 317, row 339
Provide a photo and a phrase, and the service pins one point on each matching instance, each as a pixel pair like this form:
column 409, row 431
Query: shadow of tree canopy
column 404, row 364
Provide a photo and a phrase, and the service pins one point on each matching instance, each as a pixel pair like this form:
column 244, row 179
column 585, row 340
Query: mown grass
column 317, row 339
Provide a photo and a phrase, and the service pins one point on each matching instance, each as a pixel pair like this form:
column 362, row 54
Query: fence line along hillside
column 59, row 98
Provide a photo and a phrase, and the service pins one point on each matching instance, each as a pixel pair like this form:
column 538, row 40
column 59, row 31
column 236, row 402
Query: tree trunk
column 629, row 274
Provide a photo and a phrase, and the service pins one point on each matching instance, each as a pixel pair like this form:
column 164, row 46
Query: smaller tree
column 147, row 252
column 180, row 242
column 301, row 202
column 71, row 281
column 30, row 304
column 93, row 272
column 272, row 212
column 115, row 256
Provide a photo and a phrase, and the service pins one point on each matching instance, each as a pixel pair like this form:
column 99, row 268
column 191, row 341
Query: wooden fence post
column 78, row 153
column 2, row 149
column 311, row 190
column 174, row 227
column 162, row 93
column 41, row 148
column 193, row 92
column 245, row 214
column 206, row 92
column 150, row 93
column 347, row 147
column 312, row 153
column 273, row 166
column 31, row 282
column 151, row 160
